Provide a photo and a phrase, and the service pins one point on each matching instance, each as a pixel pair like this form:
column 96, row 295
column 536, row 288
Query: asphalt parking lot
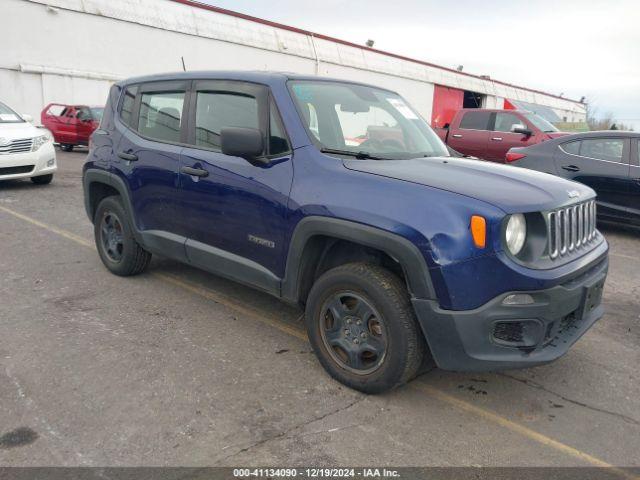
column 179, row 367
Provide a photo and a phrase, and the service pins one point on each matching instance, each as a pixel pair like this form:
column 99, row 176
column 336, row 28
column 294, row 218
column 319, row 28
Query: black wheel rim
column 112, row 236
column 353, row 332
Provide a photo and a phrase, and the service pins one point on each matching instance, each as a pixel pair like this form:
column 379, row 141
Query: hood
column 509, row 188
column 12, row 131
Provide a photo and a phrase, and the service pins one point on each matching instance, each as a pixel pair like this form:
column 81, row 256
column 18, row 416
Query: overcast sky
column 577, row 48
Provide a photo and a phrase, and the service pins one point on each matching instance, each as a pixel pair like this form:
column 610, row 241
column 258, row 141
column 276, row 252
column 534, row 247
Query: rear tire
column 42, row 179
column 362, row 327
column 117, row 247
column 65, row 147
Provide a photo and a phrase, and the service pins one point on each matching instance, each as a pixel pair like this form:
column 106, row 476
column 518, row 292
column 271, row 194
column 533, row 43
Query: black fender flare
column 107, row 178
column 399, row 248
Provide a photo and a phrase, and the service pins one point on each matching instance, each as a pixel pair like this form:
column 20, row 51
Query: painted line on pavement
column 300, row 334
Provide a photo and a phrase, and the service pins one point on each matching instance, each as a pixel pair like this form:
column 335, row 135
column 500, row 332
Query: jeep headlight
column 516, row 233
column 40, row 141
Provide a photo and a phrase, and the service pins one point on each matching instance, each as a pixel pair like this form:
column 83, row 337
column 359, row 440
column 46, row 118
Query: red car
column 489, row 134
column 71, row 125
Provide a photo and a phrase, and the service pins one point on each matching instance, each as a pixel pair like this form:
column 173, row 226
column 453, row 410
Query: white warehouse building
column 80, row 47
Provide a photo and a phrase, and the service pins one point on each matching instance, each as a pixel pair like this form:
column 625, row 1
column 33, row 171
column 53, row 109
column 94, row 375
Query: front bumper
column 29, row 164
column 466, row 340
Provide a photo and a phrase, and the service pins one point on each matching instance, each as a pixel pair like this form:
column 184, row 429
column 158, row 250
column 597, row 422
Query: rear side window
column 218, row 110
column 128, row 101
column 475, row 121
column 161, row 115
column 571, row 147
column 609, row 149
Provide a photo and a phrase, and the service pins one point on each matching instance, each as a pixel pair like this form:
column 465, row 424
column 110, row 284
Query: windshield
column 541, row 123
column 364, row 121
column 96, row 113
column 9, row 116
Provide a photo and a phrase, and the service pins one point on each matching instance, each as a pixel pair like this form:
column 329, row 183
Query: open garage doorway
column 472, row 100
column 447, row 101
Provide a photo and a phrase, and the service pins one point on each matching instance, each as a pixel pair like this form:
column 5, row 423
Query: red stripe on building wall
column 262, row 21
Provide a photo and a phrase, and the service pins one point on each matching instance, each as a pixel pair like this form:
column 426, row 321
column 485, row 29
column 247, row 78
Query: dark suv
column 338, row 197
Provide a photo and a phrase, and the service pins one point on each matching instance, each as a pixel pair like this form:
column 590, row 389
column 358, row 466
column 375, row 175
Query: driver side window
column 505, row 122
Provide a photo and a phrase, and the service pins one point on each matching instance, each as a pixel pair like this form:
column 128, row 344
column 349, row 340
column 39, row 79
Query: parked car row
column 489, row 134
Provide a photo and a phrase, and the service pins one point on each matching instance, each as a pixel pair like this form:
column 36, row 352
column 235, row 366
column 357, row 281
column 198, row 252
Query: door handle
column 570, row 168
column 497, row 139
column 196, row 172
column 129, row 157
column 456, row 135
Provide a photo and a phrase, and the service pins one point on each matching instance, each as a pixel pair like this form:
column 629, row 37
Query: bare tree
column 603, row 121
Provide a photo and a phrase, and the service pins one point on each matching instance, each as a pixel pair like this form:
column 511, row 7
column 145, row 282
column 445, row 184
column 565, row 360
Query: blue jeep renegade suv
column 337, row 196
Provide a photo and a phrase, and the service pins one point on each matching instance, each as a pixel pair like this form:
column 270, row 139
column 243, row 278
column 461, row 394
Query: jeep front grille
column 571, row 228
column 17, row 146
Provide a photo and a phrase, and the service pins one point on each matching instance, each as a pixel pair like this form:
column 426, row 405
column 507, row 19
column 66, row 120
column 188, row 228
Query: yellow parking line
column 300, row 334
column 51, row 228
column 234, row 305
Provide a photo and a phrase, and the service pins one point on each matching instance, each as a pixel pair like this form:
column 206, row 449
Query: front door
column 234, row 211
column 84, row 125
column 502, row 137
column 68, row 132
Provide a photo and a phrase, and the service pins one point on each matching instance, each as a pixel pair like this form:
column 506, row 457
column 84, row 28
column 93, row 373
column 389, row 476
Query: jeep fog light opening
column 516, row 233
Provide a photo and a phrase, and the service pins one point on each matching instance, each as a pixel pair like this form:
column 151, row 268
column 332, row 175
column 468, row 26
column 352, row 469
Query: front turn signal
column 479, row 231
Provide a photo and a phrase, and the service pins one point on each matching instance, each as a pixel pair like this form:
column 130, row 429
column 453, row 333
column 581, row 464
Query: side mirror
column 27, row 118
column 520, row 128
column 247, row 143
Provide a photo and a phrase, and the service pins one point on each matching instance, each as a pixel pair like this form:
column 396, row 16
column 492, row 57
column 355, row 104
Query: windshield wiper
column 358, row 155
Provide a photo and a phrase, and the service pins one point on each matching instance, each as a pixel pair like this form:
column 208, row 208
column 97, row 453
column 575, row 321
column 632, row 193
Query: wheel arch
column 314, row 237
column 99, row 184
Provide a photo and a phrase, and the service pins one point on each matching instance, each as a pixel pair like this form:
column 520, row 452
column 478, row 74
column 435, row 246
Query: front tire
column 362, row 327
column 117, row 247
column 65, row 147
column 42, row 179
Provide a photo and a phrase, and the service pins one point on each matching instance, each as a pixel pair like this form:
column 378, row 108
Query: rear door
column 471, row 135
column 148, row 160
column 502, row 137
column 602, row 164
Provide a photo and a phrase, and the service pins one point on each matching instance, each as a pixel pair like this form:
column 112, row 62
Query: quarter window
column 506, row 122
column 128, row 101
column 609, row 149
column 571, row 147
column 475, row 121
column 161, row 115
column 218, row 110
column 278, row 143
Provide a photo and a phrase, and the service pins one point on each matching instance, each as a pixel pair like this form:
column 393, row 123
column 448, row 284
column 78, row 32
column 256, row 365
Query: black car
column 607, row 161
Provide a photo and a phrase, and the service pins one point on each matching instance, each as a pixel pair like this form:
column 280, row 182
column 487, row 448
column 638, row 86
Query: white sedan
column 25, row 151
